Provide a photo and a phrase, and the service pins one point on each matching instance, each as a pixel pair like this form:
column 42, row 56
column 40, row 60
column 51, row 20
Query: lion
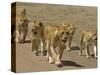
column 38, row 39
column 56, row 38
column 88, row 38
column 21, row 30
column 71, row 29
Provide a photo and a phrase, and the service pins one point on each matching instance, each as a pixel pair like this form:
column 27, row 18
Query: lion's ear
column 40, row 24
column 23, row 12
column 34, row 21
column 68, row 25
column 57, row 27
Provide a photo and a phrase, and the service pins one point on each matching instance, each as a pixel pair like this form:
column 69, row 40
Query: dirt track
column 27, row 62
column 83, row 17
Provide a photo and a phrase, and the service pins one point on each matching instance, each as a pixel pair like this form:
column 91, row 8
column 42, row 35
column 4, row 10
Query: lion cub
column 38, row 39
column 88, row 38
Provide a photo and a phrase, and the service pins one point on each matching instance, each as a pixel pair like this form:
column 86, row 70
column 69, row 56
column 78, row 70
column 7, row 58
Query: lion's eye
column 35, row 26
column 94, row 34
column 32, row 30
column 62, row 32
column 40, row 24
column 67, row 33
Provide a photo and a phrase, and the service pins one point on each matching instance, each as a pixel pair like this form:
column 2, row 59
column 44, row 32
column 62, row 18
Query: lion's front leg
column 95, row 51
column 87, row 50
column 61, row 50
column 16, row 36
column 47, row 48
column 51, row 61
column 49, row 54
column 35, row 47
column 43, row 47
column 67, row 46
column 25, row 34
column 68, row 43
column 22, row 37
column 55, row 56
column 95, row 48
column 82, row 46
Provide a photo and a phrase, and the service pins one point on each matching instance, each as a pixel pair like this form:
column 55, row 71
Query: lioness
column 22, row 29
column 56, row 38
column 71, row 29
column 38, row 39
column 88, row 38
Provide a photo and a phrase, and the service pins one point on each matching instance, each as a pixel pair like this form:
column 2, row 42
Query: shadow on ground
column 27, row 41
column 75, row 48
column 71, row 63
